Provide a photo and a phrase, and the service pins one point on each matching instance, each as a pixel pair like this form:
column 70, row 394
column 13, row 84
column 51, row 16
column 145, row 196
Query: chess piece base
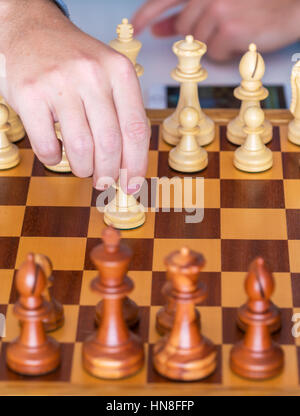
column 113, row 362
column 33, row 361
column 185, row 365
column 130, row 312
column 255, row 161
column 124, row 220
column 171, row 135
column 184, row 162
column 271, row 317
column 9, row 157
column 56, row 318
column 237, row 136
column 256, row 365
column 165, row 320
column 294, row 132
column 62, row 167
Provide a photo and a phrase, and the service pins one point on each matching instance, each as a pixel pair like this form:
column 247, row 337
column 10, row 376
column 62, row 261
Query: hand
column 227, row 26
column 55, row 72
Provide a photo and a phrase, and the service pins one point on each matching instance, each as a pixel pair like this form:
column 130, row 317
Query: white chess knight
column 189, row 73
column 251, row 92
column 294, row 125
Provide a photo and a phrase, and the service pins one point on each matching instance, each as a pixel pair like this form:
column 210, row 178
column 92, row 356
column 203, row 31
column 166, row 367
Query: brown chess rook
column 33, row 352
column 257, row 356
column 185, row 354
column 112, row 352
column 263, row 306
column 166, row 315
column 55, row 319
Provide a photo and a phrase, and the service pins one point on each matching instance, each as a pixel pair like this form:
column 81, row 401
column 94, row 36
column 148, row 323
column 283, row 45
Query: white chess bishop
column 294, row 125
column 189, row 73
column 251, row 92
column 253, row 155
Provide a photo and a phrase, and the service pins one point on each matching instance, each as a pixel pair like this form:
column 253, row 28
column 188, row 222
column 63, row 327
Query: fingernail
column 135, row 185
column 104, row 183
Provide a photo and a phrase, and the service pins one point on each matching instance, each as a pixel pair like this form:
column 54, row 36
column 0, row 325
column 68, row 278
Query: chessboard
column 246, row 215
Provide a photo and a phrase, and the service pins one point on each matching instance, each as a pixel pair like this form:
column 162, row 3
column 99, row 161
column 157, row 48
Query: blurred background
column 100, row 18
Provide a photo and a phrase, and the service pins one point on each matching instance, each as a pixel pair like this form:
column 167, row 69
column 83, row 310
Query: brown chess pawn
column 185, row 354
column 257, row 356
column 55, row 319
column 262, row 304
column 112, row 352
column 33, row 352
column 166, row 315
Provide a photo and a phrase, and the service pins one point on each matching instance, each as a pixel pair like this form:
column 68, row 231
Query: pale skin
column 227, row 26
column 55, row 72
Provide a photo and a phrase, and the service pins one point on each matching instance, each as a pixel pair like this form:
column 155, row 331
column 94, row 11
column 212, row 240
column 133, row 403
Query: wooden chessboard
column 245, row 215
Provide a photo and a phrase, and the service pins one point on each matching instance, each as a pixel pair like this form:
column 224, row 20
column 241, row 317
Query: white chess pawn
column 189, row 72
column 253, row 155
column 188, row 156
column 251, row 92
column 294, row 125
column 124, row 212
column 16, row 131
column 63, row 166
column 9, row 153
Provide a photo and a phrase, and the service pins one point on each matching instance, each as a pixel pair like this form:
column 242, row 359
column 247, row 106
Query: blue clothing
column 61, row 4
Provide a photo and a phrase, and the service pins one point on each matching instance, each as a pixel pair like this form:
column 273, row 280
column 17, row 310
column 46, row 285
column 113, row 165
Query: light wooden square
column 210, row 248
column 253, row 224
column 65, row 253
column 60, row 191
column 11, row 220
column 229, row 171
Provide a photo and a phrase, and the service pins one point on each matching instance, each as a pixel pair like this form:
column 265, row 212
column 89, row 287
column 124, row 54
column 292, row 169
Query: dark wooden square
column 295, row 279
column 212, row 170
column 291, row 165
column 8, row 252
column 13, row 190
column 154, row 137
column 40, row 170
column 173, row 225
column 86, row 322
column 293, row 224
column 142, row 250
column 252, row 193
column 211, row 280
column 236, row 255
column 24, row 143
column 66, row 287
column 56, row 222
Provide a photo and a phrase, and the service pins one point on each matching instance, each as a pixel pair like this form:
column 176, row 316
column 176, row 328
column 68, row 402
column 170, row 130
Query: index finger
column 150, row 11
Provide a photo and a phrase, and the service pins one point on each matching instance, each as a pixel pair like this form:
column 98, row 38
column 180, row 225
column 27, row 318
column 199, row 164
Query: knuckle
column 138, row 131
column 110, row 141
column 81, row 146
column 124, row 67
